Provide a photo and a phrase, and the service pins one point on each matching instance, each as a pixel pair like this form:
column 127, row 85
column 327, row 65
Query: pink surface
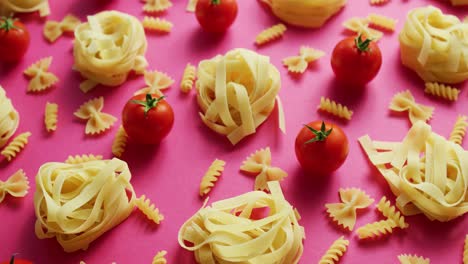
column 170, row 173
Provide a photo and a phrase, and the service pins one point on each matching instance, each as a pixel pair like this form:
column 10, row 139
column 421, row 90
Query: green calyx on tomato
column 320, row 135
column 150, row 103
column 215, row 2
column 362, row 45
column 7, row 23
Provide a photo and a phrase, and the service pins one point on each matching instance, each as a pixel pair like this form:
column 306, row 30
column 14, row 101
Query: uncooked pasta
column 9, row 118
column 335, row 252
column 15, row 146
column 8, row 7
column 17, row 185
column 270, row 34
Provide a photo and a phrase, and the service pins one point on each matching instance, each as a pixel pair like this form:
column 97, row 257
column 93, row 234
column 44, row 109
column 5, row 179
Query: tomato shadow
column 310, row 187
column 203, row 42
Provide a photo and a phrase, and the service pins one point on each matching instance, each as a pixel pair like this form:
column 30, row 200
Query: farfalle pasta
column 54, row 29
column 298, row 64
column 77, row 159
column 9, row 118
column 459, row 129
column 8, row 7
column 120, row 142
column 157, row 24
column 211, row 176
column 149, row 209
column 360, row 26
column 404, row 101
column 17, row 185
column 335, row 252
column 160, row 257
column 15, row 146
column 226, row 233
column 188, row 78
column 412, row 259
column 51, row 116
column 236, row 93
column 97, row 121
column 156, row 6
column 334, row 108
column 155, row 81
column 108, row 47
column 435, row 45
column 270, row 34
column 41, row 78
column 442, row 91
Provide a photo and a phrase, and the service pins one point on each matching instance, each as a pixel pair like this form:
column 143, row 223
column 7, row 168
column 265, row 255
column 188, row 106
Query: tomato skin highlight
column 216, row 18
column 18, row 261
column 14, row 41
column 321, row 157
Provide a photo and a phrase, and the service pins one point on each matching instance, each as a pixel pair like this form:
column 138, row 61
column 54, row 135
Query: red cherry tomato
column 321, row 147
column 355, row 61
column 14, row 39
column 14, row 260
column 147, row 119
column 216, row 15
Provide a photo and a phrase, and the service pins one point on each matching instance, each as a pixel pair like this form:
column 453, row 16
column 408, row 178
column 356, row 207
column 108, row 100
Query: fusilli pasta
column 155, row 81
column 270, row 34
column 156, row 6
column 17, row 185
column 334, row 108
column 15, row 146
column 147, row 208
column 443, row 91
column 298, row 64
column 459, row 129
column 9, row 118
column 336, row 250
column 211, row 176
column 376, row 229
column 41, row 78
column 54, row 29
column 120, row 142
column 382, row 22
column 157, row 24
column 160, row 258
column 390, row 212
column 77, row 159
column 412, row 259
column 97, row 121
column 51, row 116
column 404, row 101
column 188, row 78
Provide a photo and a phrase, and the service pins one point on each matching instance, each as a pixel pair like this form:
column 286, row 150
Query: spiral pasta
column 390, row 212
column 77, row 203
column 383, row 22
column 435, row 45
column 298, row 64
column 97, row 121
column 54, row 29
column 147, row 208
column 155, row 81
column 443, row 91
column 225, row 233
column 236, row 93
column 15, row 146
column 8, row 7
column 270, row 34
column 156, row 6
column 211, row 176
column 336, row 250
column 77, row 159
column 120, row 142
column 376, row 230
column 51, row 116
column 157, row 24
column 334, row 108
column 17, row 185
column 108, row 47
column 160, row 258
column 459, row 129
column 41, row 78
column 360, row 26
column 404, row 101
column 412, row 259
column 9, row 118
column 188, row 78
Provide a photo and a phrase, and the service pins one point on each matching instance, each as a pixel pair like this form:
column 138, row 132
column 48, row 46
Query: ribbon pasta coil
column 8, row 7
column 9, row 118
column 236, row 93
column 435, row 46
column 108, row 47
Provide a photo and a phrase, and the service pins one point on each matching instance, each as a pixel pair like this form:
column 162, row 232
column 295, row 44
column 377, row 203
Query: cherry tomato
column 14, row 39
column 216, row 15
column 321, row 147
column 14, row 260
column 356, row 61
column 147, row 119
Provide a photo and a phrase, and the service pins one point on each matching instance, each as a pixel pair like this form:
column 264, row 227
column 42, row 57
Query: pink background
column 170, row 174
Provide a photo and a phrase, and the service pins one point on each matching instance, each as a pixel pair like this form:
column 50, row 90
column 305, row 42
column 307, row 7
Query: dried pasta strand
column 9, row 118
column 41, row 78
column 160, row 257
column 376, row 229
column 404, row 101
column 298, row 64
column 378, row 2
column 77, row 159
column 188, row 78
column 16, row 146
column 334, row 108
column 442, row 91
column 51, row 116
column 465, row 251
column 335, row 252
column 383, row 22
column 412, row 259
column 390, row 212
column 191, row 5
column 155, row 81
column 156, row 6
column 270, row 34
column 17, row 185
column 120, row 142
column 211, row 176
column 157, row 24
column 459, row 129
column 149, row 209
column 97, row 121
column 54, row 29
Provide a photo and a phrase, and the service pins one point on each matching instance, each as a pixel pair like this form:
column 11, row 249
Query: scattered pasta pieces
column 41, row 78
column 120, row 142
column 270, row 34
column 334, row 108
column 78, row 159
column 147, row 208
column 465, row 251
column 335, row 252
column 259, row 164
column 188, row 78
column 344, row 213
column 459, row 129
column 412, row 259
column 157, row 24
column 17, row 185
column 97, row 122
column 376, row 230
column 24, row 6
column 390, row 212
column 54, row 29
column 9, row 118
column 211, row 176
column 404, row 101
column 378, row 2
column 160, row 257
column 155, row 81
column 442, row 91
column 51, row 116
column 156, row 6
column 383, row 22
column 360, row 26
column 298, row 64
column 276, row 238
column 15, row 146
column 191, row 5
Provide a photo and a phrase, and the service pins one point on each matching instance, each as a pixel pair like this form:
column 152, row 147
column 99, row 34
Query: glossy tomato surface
column 216, row 15
column 14, row 40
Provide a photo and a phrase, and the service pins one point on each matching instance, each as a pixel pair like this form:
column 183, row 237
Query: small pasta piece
column 360, row 26
column 191, row 5
column 376, row 229
column 404, row 101
column 41, row 78
column 442, row 91
column 51, row 116
column 77, row 159
column 211, row 176
column 160, row 258
column 270, row 34
column 390, row 212
column 382, row 22
column 298, row 64
column 335, row 108
column 412, row 259
column 147, row 208
column 155, row 81
column 335, row 252
column 97, row 121
column 16, row 146
column 17, row 185
column 465, row 251
column 120, row 142
column 156, row 6
column 157, row 24
column 54, row 29
column 378, row 2
column 188, row 78
column 459, row 129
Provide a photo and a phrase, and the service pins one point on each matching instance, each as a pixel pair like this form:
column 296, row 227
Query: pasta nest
column 236, row 92
column 305, row 13
column 24, row 6
column 9, row 118
column 226, row 232
column 108, row 47
column 77, row 203
column 435, row 45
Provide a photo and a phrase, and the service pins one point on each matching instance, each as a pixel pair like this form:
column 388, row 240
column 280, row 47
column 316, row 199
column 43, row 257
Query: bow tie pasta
column 435, row 45
column 24, row 6
column 9, row 118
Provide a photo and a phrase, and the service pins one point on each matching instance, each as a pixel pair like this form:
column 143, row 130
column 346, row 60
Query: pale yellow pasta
column 378, row 2
column 15, row 146
column 211, row 176
column 443, row 91
column 435, row 45
column 97, row 121
column 334, row 108
column 155, row 81
column 157, row 24
column 360, row 26
column 54, row 29
column 120, row 142
column 191, row 4
column 156, row 6
column 412, row 259
column 344, row 213
column 149, row 209
column 225, row 233
column 390, row 212
column 237, row 92
column 465, row 251
column 17, row 185
column 108, row 47
column 77, row 203
column 383, row 22
column 259, row 164
column 51, row 116
column 298, row 64
column 376, row 229
column 270, row 34
column 305, row 13
column 41, row 78
column 404, row 101
column 160, row 257
column 77, row 159
column 459, row 129
column 335, row 252
column 9, row 118
column 8, row 7
column 188, row 78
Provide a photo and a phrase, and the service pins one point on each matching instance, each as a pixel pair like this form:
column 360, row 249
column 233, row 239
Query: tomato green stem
column 12, row 260
column 362, row 45
column 150, row 102
column 7, row 23
column 215, row 2
column 320, row 135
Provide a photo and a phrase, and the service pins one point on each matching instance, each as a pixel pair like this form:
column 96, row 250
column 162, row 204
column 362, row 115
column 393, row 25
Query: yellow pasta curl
column 390, row 212
column 188, row 78
column 211, row 176
column 335, row 108
column 160, row 258
column 9, row 118
column 156, row 6
column 15, row 146
column 376, row 229
column 383, row 22
column 412, row 259
column 441, row 90
column 120, row 142
column 465, row 251
column 459, row 129
column 77, row 159
column 336, row 250
column 270, row 34
column 147, row 208
column 157, row 24
column 51, row 116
